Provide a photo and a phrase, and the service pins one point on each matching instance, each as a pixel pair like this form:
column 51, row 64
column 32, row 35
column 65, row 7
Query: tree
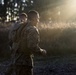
column 13, row 8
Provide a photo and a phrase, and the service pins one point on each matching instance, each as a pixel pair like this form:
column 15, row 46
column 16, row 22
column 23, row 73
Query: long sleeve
column 33, row 40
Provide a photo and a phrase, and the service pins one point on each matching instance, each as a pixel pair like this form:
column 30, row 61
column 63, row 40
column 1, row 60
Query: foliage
column 44, row 7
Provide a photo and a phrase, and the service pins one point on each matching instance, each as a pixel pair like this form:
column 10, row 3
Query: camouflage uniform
column 28, row 45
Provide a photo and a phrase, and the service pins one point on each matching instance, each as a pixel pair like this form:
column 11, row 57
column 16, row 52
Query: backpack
column 16, row 35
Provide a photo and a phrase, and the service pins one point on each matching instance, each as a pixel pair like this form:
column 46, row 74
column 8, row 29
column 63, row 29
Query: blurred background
column 57, row 24
column 57, row 28
column 50, row 10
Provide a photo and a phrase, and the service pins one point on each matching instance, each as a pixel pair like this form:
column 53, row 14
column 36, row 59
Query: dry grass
column 56, row 38
column 59, row 38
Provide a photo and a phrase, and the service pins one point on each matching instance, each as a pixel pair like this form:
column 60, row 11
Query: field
column 56, row 65
column 59, row 39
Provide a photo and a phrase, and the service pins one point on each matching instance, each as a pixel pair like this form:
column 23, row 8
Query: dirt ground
column 56, row 65
column 53, row 65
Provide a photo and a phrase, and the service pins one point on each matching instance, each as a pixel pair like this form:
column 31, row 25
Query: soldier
column 29, row 45
column 22, row 21
column 13, row 39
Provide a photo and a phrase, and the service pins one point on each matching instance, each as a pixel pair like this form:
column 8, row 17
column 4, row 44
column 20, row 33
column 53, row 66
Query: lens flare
column 71, row 8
